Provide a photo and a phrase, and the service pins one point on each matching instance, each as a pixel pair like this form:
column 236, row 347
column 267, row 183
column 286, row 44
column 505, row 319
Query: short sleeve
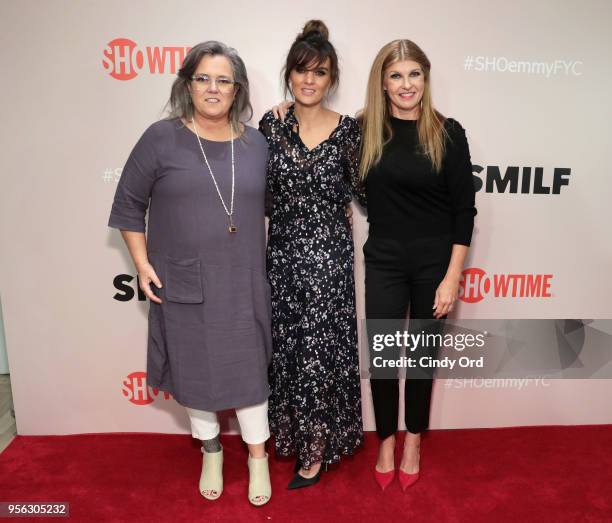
column 460, row 182
column 135, row 185
column 352, row 153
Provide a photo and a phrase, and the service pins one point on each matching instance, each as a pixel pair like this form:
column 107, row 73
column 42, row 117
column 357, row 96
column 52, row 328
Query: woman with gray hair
column 201, row 173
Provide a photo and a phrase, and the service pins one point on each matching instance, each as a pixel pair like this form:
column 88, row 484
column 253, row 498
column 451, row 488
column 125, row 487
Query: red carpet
column 517, row 474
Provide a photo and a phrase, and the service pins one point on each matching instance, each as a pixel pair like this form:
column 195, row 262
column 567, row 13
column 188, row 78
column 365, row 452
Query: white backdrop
column 530, row 82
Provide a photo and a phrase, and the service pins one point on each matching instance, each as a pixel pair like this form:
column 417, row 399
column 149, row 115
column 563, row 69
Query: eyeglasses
column 202, row 82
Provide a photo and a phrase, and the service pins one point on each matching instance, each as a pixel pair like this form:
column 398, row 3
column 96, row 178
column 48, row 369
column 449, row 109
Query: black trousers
column 403, row 273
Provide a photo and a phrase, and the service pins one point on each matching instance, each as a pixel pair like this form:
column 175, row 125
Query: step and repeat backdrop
column 530, row 82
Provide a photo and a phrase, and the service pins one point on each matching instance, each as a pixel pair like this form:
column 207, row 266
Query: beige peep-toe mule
column 260, row 490
column 211, row 478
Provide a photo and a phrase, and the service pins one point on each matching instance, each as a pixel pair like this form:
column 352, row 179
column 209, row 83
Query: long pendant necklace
column 230, row 213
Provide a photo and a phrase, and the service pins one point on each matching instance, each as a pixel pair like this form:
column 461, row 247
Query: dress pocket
column 184, row 280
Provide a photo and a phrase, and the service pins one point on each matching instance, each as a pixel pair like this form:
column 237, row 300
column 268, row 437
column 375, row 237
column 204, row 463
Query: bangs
column 310, row 58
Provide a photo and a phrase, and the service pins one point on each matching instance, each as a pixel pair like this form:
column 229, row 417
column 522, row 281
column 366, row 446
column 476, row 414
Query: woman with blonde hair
column 415, row 165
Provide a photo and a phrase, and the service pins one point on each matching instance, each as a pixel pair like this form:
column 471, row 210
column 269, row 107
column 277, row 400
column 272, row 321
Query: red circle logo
column 122, row 58
column 135, row 388
column 473, row 285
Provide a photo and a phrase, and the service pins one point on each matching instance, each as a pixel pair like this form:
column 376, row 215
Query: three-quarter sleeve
column 352, row 156
column 460, row 183
column 135, row 185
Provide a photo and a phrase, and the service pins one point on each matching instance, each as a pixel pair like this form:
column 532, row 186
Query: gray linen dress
column 209, row 342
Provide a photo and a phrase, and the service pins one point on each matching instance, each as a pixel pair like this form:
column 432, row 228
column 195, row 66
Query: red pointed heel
column 384, row 479
column 406, row 480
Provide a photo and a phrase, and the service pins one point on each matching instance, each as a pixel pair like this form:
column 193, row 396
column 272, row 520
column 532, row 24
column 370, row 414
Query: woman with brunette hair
column 315, row 400
column 415, row 165
column 201, row 174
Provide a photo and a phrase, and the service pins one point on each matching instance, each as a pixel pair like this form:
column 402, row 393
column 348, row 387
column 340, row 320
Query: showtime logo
column 124, row 60
column 136, row 390
column 475, row 284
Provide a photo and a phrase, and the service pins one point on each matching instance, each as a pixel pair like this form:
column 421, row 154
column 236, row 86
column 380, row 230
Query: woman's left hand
column 280, row 111
column 446, row 295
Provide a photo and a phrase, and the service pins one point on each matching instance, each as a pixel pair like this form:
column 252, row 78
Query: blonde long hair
column 375, row 117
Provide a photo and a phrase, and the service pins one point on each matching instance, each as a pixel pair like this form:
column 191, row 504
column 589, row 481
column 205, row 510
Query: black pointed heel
column 301, row 482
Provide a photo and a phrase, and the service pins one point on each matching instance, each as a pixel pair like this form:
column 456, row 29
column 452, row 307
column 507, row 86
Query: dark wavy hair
column 180, row 105
column 312, row 47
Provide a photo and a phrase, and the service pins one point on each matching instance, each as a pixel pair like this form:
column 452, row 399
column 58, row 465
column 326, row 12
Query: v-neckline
column 294, row 121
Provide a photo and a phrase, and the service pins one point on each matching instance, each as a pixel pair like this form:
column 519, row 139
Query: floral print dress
column 315, row 401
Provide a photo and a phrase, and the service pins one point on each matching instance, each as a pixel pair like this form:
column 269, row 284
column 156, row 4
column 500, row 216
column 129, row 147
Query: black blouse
column 407, row 198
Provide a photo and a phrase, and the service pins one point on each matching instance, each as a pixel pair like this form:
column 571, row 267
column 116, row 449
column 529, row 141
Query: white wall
column 67, row 122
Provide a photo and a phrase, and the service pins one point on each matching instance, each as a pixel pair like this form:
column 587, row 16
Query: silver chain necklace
column 230, row 213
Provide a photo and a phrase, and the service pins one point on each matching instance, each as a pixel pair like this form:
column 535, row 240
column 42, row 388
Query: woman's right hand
column 146, row 275
column 280, row 111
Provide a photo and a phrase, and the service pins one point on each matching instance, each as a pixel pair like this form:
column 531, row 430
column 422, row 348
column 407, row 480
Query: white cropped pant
column 253, row 422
